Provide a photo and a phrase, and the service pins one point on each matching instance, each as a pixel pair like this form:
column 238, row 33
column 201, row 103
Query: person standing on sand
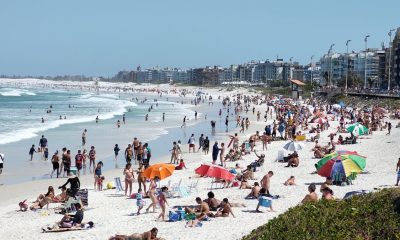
column 42, row 144
column 55, row 160
column 1, row 162
column 184, row 122
column 116, row 151
column 389, row 128
column 67, row 162
column 201, row 142
column 84, row 137
column 32, row 151
column 79, row 162
column 129, row 178
column 92, row 158
column 265, row 182
column 398, row 172
column 163, row 117
column 191, row 143
column 222, row 154
column 215, row 151
column 123, row 118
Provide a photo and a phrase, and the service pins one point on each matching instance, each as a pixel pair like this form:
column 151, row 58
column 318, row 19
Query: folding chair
column 118, row 184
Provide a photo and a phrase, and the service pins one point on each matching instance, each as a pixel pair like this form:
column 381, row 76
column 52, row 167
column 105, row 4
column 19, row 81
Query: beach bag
column 235, row 184
column 173, row 216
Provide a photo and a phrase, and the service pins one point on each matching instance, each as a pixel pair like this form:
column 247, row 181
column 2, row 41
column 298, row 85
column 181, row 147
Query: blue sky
column 101, row 37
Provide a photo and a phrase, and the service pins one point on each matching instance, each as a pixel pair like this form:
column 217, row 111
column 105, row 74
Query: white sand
column 111, row 213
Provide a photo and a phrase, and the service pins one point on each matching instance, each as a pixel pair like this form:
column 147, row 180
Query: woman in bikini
column 162, row 200
column 142, row 179
column 129, row 177
column 152, row 194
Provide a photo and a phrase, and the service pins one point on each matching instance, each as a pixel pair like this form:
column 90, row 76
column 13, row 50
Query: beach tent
column 160, row 170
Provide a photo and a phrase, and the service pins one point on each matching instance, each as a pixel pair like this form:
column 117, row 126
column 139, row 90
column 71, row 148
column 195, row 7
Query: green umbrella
column 357, row 129
column 325, row 159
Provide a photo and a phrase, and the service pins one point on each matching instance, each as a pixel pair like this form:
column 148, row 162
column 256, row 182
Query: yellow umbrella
column 160, row 170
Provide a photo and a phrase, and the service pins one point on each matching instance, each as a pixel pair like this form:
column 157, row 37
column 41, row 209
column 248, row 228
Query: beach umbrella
column 333, row 155
column 357, row 129
column 320, row 120
column 214, row 171
column 160, row 170
column 343, row 165
column 293, row 146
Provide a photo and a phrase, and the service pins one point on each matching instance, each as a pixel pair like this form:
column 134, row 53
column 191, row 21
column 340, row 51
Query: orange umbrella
column 160, row 170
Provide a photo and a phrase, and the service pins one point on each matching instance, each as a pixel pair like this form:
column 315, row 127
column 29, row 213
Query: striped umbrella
column 357, row 129
column 341, row 164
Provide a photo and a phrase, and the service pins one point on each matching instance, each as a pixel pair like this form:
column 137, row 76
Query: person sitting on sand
column 327, row 194
column 340, row 140
column 293, row 160
column 213, row 203
column 312, row 196
column 201, row 211
column 290, row 181
column 245, row 177
column 225, row 209
column 181, row 165
column 69, row 221
column 259, row 162
column 255, row 191
column 62, row 197
column 149, row 235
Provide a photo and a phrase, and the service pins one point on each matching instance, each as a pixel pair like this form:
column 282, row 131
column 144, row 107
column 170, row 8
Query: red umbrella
column 320, row 120
column 214, row 171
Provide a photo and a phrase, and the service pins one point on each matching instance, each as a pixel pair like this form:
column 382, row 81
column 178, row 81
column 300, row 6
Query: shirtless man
column 135, row 145
column 225, row 209
column 201, row 211
column 312, row 196
column 265, row 182
column 84, row 137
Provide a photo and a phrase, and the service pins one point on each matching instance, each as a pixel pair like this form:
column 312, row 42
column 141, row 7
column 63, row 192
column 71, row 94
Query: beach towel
column 63, row 230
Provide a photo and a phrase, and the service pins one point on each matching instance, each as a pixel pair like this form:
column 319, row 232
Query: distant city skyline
column 100, row 38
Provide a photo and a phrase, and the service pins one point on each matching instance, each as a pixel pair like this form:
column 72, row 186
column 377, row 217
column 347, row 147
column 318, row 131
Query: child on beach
column 46, row 154
column 139, row 200
column 100, row 181
column 32, row 151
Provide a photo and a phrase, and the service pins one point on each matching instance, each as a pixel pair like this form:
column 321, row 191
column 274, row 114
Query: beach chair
column 69, row 205
column 218, row 183
column 352, row 177
column 193, row 186
column 118, row 184
column 83, row 194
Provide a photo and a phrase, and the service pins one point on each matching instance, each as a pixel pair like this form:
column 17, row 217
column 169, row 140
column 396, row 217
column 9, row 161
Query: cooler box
column 265, row 201
column 73, row 170
column 300, row 138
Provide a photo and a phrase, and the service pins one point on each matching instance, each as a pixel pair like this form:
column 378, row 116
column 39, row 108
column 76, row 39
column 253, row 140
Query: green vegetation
column 372, row 216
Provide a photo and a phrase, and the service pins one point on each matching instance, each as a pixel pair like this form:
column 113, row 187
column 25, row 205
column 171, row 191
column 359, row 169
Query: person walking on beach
column 162, row 200
column 84, row 137
column 118, row 123
column 123, row 118
column 135, row 145
column 1, row 162
column 92, row 158
column 265, row 182
column 55, row 161
column 191, row 143
column 184, row 122
column 32, row 151
column 42, row 144
column 206, row 146
column 201, row 142
column 163, row 117
column 152, row 194
column 389, row 128
column 195, row 115
column 97, row 175
column 116, row 151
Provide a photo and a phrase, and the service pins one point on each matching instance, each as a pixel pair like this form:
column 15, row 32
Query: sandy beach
column 112, row 212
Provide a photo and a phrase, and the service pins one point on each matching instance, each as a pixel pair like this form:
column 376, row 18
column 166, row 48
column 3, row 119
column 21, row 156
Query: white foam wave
column 27, row 133
column 10, row 92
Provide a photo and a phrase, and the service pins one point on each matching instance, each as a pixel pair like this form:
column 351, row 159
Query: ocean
column 22, row 110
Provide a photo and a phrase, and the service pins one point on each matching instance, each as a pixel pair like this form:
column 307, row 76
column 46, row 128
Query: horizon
column 100, row 38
